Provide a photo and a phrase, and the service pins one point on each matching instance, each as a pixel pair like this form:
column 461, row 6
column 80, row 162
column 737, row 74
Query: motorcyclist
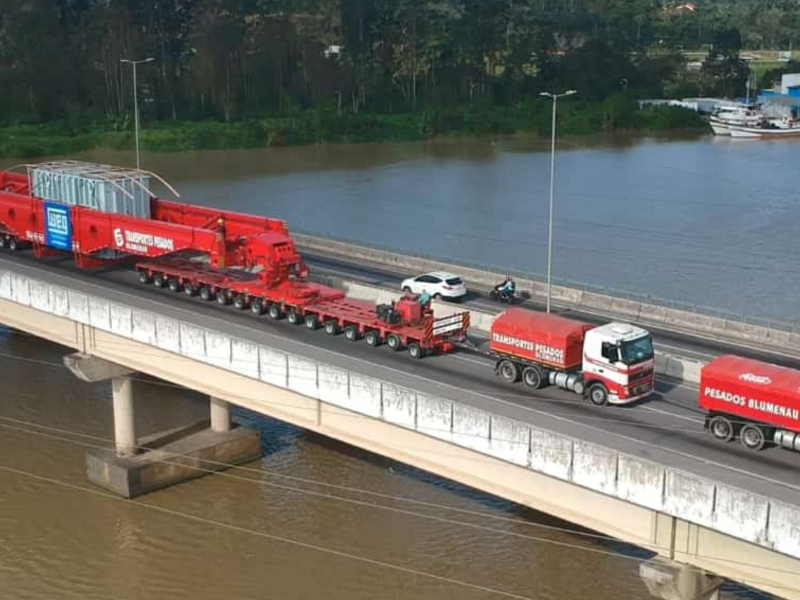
column 507, row 288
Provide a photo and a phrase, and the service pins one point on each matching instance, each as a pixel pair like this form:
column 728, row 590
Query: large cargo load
column 538, row 337
column 756, row 401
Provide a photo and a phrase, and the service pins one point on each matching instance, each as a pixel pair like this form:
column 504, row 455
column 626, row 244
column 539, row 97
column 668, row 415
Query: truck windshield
column 636, row 351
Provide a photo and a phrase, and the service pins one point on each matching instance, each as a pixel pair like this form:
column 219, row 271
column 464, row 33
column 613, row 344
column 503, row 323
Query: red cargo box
column 752, row 389
column 539, row 337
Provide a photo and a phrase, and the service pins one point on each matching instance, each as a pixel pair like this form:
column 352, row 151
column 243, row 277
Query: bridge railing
column 733, row 511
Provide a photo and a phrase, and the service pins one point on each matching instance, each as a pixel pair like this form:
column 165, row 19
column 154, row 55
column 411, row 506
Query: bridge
column 646, row 475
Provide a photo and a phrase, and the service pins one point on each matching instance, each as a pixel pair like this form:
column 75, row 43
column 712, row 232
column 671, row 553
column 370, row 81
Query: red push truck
column 612, row 364
column 755, row 401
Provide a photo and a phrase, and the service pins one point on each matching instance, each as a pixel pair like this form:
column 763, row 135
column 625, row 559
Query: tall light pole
column 555, row 98
column 136, row 101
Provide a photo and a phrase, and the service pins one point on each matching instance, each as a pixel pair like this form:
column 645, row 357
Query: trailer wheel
column 274, row 311
column 598, row 394
column 311, row 322
column 293, row 317
column 240, row 302
column 3, row 241
column 415, row 351
column 351, row 332
column 257, row 306
column 331, row 327
column 174, row 285
column 190, row 290
column 393, row 341
column 752, row 437
column 532, row 376
column 372, row 338
column 508, row 371
column 206, row 293
column 144, row 278
column 721, row 428
column 222, row 297
column 158, row 280
column 13, row 244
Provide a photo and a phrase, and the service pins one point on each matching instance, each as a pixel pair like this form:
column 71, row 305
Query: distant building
column 784, row 100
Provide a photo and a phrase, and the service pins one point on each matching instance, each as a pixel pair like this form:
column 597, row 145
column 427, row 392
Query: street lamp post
column 555, row 98
column 136, row 102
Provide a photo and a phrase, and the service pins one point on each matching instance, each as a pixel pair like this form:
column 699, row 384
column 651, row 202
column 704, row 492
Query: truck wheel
column 415, row 351
column 206, row 293
column 598, row 394
column 274, row 311
column 721, row 428
column 532, row 376
column 144, row 278
column 331, row 327
column 240, row 302
column 13, row 244
column 3, row 241
column 311, row 322
column 752, row 437
column 174, row 285
column 372, row 338
column 508, row 371
column 393, row 341
column 222, row 297
column 351, row 332
column 158, row 280
column 293, row 317
column 190, row 290
column 257, row 306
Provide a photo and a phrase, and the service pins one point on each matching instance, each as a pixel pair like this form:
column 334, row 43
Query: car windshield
column 637, row 351
column 454, row 281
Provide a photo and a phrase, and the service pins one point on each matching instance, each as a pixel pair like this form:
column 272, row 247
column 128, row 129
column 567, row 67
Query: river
column 704, row 221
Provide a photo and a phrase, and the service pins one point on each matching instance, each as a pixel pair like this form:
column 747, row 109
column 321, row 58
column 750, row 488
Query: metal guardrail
column 759, row 321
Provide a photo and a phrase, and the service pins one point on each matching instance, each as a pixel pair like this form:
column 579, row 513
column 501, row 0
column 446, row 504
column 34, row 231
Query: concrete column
column 124, row 416
column 220, row 415
column 670, row 580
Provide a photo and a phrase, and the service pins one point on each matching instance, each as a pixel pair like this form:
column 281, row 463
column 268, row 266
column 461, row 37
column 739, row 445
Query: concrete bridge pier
column 137, row 466
column 671, row 580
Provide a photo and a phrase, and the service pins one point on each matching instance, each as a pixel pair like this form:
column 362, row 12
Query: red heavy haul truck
column 756, row 401
column 611, row 364
column 103, row 214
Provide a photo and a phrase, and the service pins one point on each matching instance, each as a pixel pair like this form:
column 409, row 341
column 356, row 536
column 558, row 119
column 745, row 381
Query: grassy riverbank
column 320, row 126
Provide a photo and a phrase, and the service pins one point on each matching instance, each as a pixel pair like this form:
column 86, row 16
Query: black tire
column 13, row 244
column 415, row 351
column 158, row 281
column 190, row 290
column 351, row 333
column 174, row 285
column 257, row 306
column 331, row 327
column 206, row 294
column 598, row 394
column 394, row 342
column 311, row 322
column 274, row 311
column 407, row 290
column 752, row 437
column 533, row 377
column 240, row 302
column 437, row 297
column 293, row 317
column 3, row 241
column 508, row 371
column 721, row 428
column 372, row 338
column 144, row 278
column 494, row 295
column 222, row 297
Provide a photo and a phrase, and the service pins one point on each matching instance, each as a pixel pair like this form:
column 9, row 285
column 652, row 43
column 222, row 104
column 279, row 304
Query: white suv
column 438, row 284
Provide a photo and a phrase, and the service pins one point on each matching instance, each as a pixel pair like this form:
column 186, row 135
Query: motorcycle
column 502, row 296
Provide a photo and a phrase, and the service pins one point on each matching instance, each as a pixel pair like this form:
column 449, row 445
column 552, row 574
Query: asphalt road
column 666, row 429
column 676, row 342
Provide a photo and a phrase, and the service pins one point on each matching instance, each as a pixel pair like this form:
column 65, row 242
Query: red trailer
column 756, row 401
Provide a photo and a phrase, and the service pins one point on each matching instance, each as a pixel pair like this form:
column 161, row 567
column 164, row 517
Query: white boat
column 727, row 117
column 772, row 128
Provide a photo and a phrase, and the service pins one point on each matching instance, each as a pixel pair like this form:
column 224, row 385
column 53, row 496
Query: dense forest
column 234, row 60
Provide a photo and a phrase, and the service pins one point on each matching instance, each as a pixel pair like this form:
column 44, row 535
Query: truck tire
column 144, row 278
column 3, row 241
column 274, row 312
column 508, row 371
column 293, row 317
column 257, row 306
column 415, row 351
column 752, row 437
column 158, row 280
column 311, row 322
column 372, row 338
column 721, row 428
column 174, row 285
column 533, row 377
column 598, row 394
column 351, row 333
column 331, row 327
column 222, row 297
column 206, row 293
column 240, row 302
column 190, row 290
column 13, row 244
column 393, row 341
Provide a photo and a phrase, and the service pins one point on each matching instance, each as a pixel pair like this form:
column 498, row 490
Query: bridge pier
column 137, row 466
column 671, row 580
